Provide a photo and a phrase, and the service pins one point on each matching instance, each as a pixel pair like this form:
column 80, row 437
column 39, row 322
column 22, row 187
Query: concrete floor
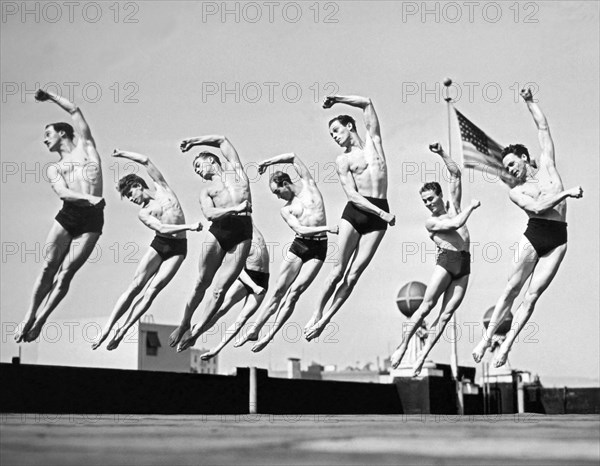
column 36, row 439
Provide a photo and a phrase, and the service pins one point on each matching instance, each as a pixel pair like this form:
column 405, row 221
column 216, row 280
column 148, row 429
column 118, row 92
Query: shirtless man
column 227, row 204
column 448, row 230
column 77, row 179
column 162, row 213
column 362, row 169
column 543, row 246
column 304, row 212
column 251, row 285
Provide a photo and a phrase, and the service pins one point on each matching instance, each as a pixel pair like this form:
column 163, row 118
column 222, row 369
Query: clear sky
column 148, row 74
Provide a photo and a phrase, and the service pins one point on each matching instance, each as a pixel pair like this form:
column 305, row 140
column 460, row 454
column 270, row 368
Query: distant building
column 360, row 373
column 145, row 347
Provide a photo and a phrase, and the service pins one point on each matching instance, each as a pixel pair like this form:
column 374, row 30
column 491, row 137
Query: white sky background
column 170, row 55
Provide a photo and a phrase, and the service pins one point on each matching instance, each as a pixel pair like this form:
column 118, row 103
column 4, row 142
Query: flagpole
column 454, row 345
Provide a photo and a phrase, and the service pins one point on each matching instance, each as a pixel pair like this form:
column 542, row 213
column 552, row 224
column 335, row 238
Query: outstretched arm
column 221, row 142
column 452, row 223
column 455, row 174
column 165, row 228
column 144, row 160
column 215, row 213
column 60, row 187
column 287, row 158
column 355, row 197
column 299, row 229
column 536, row 207
column 369, row 114
column 82, row 127
column 546, row 143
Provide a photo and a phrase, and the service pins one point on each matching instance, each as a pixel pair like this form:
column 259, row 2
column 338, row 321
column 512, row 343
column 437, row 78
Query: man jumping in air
column 227, row 204
column 543, row 246
column 362, row 169
column 447, row 228
column 304, row 212
column 161, row 212
column 77, row 179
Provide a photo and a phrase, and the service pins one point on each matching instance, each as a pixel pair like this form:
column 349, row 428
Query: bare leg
column 287, row 274
column 306, row 276
column 163, row 276
column 253, row 302
column 452, row 299
column 210, row 261
column 544, row 273
column 236, row 293
column 439, row 282
column 348, row 241
column 60, row 241
column 232, row 265
column 145, row 271
column 522, row 269
column 367, row 245
column 81, row 249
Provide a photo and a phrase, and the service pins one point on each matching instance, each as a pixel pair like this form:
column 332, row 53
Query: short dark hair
column 517, row 149
column 207, row 156
column 344, row 120
column 279, row 178
column 62, row 126
column 431, row 186
column 125, row 183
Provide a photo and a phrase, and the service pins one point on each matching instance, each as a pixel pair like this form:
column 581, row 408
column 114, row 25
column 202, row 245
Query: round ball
column 504, row 327
column 447, row 81
column 410, row 297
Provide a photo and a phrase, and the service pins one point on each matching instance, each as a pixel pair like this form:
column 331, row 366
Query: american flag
column 480, row 151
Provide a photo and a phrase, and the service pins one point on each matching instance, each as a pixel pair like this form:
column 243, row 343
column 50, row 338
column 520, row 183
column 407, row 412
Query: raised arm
column 144, row 160
column 78, row 119
column 452, row 223
column 215, row 213
column 455, row 174
column 536, row 207
column 546, row 143
column 221, row 142
column 60, row 187
column 299, row 229
column 369, row 114
column 287, row 158
column 355, row 197
column 165, row 228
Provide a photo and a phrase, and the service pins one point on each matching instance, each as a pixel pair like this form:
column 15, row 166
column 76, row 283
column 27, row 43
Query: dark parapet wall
column 562, row 400
column 59, row 389
column 296, row 396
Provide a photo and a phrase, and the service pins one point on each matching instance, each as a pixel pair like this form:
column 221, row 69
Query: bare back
column 258, row 258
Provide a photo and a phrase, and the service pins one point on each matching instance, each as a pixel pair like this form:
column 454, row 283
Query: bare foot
column 34, row 331
column 187, row 340
column 252, row 336
column 480, row 350
column 396, row 357
column 501, row 357
column 100, row 340
column 260, row 345
column 26, row 326
column 311, row 323
column 206, row 356
column 315, row 331
column 116, row 340
column 417, row 367
column 175, row 337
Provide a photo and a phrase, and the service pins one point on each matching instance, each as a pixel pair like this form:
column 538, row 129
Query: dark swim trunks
column 78, row 220
column 545, row 235
column 307, row 248
column 232, row 230
column 169, row 247
column 365, row 222
column 456, row 263
column 259, row 278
